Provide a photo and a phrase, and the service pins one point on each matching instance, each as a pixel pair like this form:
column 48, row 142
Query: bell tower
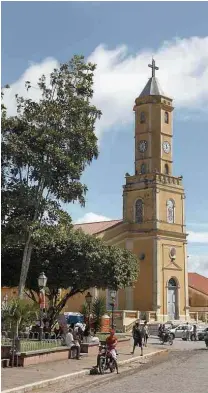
column 153, row 209
column 153, row 129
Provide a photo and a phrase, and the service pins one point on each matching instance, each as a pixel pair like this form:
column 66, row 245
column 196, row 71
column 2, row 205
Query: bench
column 90, row 348
column 5, row 362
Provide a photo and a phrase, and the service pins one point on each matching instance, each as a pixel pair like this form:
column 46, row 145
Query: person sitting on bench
column 71, row 343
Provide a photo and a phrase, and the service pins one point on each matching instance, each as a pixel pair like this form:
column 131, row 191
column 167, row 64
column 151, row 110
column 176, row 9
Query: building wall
column 197, row 299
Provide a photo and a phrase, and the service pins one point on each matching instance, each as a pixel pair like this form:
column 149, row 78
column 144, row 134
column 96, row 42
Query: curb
column 48, row 382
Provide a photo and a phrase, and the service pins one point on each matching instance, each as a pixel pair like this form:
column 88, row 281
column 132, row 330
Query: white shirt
column 69, row 340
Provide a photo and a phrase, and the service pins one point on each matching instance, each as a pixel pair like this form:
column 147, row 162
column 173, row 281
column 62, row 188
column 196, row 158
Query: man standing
column 70, row 342
column 195, row 332
column 137, row 334
column 188, row 328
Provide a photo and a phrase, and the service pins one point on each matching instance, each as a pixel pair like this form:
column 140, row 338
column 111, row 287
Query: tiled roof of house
column 198, row 282
column 91, row 228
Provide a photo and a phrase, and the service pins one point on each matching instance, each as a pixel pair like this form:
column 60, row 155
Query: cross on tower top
column 153, row 66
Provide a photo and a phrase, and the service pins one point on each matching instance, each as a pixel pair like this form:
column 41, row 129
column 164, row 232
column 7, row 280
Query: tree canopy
column 45, row 148
column 75, row 262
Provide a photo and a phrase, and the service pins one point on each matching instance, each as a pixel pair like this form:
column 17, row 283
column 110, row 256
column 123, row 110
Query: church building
column 153, row 224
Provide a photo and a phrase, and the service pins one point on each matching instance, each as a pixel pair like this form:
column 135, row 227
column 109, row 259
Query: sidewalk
column 14, row 377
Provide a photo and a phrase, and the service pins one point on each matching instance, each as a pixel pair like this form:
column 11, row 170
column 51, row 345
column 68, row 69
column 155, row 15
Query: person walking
column 137, row 333
column 145, row 333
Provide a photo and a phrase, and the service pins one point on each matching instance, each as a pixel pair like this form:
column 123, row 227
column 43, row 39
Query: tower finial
column 153, row 66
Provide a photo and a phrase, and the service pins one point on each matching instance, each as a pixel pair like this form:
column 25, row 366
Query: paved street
column 181, row 371
column 18, row 376
column 184, row 369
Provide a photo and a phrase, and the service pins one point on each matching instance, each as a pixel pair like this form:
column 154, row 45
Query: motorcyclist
column 160, row 330
column 111, row 343
column 164, row 332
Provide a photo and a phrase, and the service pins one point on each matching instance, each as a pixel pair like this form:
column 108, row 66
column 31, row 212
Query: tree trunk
column 25, row 266
column 28, row 245
column 55, row 311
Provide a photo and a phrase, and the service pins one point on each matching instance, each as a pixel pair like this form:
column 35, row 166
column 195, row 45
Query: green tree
column 75, row 262
column 45, row 149
column 18, row 314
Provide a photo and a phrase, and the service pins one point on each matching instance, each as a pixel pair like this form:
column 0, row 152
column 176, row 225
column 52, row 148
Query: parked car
column 202, row 333
column 179, row 331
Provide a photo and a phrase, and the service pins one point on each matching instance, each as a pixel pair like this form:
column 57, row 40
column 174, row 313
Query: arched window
column 139, row 211
column 142, row 117
column 166, row 117
column 172, row 283
column 170, row 211
column 166, row 169
column 143, row 168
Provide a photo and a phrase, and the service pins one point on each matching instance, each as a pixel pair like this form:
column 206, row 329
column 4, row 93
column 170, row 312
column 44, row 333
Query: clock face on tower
column 142, row 146
column 166, row 147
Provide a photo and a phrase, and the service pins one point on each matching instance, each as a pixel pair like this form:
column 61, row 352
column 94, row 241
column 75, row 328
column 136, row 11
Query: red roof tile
column 91, row 228
column 198, row 282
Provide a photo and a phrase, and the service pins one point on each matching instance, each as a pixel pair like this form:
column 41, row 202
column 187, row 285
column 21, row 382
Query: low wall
column 43, row 356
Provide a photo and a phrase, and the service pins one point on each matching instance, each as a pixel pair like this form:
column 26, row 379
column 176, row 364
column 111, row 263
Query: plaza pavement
column 16, row 377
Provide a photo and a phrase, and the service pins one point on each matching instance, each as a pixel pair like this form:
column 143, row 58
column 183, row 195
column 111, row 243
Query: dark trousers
column 76, row 348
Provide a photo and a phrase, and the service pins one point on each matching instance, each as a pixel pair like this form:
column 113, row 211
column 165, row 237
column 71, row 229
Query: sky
column 121, row 38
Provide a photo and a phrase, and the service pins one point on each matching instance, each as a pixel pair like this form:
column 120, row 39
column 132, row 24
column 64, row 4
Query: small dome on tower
column 152, row 88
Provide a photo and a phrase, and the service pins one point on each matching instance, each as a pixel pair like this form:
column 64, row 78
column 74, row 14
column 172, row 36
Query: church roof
column 152, row 88
column 91, row 228
column 198, row 282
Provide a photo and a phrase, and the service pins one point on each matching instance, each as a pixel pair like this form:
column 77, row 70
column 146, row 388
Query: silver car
column 180, row 331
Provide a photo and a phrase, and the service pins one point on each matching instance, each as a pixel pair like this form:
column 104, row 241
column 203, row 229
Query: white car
column 180, row 330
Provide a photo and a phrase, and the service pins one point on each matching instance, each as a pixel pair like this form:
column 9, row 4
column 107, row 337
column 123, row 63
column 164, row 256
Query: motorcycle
column 106, row 360
column 166, row 337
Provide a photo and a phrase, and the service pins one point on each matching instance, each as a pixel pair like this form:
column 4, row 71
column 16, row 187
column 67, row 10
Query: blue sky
column 121, row 37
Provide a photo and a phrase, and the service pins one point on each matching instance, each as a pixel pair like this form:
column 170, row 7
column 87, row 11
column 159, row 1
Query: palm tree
column 98, row 310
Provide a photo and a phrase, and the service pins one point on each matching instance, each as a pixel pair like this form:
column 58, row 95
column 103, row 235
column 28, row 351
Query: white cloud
column 198, row 264
column 121, row 76
column 198, row 237
column 92, row 217
column 32, row 74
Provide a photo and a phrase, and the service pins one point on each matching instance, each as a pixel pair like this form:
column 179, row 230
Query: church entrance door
column 172, row 299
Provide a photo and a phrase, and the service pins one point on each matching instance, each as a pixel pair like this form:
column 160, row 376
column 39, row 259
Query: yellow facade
column 156, row 232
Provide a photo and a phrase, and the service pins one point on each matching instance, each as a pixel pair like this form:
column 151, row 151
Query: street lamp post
column 42, row 281
column 112, row 304
column 88, row 299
